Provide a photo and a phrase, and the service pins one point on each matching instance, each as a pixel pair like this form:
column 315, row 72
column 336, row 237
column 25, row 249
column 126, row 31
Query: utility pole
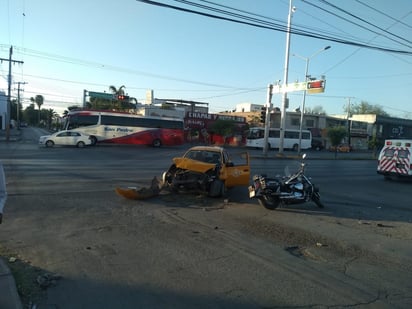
column 18, row 101
column 348, row 121
column 267, row 120
column 10, row 60
column 285, row 104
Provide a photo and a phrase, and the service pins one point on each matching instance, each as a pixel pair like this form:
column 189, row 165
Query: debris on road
column 47, row 280
column 142, row 193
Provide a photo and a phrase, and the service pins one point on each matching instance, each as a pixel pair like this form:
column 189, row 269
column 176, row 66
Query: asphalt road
column 188, row 251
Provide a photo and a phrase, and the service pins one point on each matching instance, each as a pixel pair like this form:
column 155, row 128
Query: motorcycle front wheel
column 269, row 202
column 316, row 199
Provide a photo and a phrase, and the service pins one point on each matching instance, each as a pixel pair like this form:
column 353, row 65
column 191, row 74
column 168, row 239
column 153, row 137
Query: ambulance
column 395, row 158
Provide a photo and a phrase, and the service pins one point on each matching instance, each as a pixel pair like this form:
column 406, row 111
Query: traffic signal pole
column 285, row 81
column 267, row 121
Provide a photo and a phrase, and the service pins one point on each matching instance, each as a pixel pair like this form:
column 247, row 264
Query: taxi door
column 236, row 172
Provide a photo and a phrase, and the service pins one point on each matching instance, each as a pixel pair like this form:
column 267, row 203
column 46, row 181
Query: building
column 363, row 130
column 247, row 108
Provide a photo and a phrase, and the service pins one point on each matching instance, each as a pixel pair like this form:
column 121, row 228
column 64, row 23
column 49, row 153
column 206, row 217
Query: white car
column 66, row 138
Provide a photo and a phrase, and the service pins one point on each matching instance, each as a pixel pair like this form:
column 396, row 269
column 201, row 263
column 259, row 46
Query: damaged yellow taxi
column 208, row 169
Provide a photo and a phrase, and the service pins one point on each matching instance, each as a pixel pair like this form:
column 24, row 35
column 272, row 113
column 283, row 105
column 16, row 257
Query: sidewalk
column 14, row 135
column 312, row 155
column 9, row 298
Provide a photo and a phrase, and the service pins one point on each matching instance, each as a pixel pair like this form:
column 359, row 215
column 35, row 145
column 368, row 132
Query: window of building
column 295, row 121
column 310, row 123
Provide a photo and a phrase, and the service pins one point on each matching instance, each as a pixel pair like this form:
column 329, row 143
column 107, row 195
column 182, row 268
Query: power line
column 384, row 14
column 271, row 26
column 101, row 66
column 367, row 22
column 347, row 20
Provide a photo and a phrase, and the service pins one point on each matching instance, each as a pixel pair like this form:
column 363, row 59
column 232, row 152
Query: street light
column 307, row 59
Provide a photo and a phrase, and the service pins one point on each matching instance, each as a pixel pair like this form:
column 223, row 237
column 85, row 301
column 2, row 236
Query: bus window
column 82, row 121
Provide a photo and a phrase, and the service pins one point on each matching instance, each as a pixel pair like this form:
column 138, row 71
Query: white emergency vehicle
column 395, row 158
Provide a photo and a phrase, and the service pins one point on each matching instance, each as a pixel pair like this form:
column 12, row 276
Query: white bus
column 255, row 138
column 124, row 128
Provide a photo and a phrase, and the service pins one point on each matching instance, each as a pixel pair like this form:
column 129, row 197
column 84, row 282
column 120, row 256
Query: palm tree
column 51, row 115
column 38, row 99
column 117, row 92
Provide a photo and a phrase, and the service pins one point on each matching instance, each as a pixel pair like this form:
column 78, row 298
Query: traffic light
column 316, row 86
column 263, row 114
column 122, row 97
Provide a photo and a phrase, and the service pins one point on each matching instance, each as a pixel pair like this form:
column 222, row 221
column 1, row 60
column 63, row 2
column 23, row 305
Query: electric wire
column 271, row 26
column 359, row 25
column 367, row 22
column 281, row 27
column 384, row 14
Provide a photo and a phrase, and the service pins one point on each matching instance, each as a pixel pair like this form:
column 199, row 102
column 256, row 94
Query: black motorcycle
column 293, row 189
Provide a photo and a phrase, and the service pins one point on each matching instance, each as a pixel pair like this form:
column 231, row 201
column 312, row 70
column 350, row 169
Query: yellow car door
column 236, row 173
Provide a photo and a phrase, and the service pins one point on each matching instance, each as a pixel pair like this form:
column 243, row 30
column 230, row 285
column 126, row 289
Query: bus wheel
column 94, row 140
column 156, row 143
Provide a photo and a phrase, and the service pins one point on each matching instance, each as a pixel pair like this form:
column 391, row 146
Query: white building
column 248, row 107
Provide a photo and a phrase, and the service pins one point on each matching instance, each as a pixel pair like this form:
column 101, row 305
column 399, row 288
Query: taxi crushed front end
column 205, row 169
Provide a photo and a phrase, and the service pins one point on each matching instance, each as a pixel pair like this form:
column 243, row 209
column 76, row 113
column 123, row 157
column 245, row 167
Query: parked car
column 341, row 148
column 207, row 169
column 66, row 138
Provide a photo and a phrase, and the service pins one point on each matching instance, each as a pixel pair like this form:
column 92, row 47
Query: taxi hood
column 193, row 165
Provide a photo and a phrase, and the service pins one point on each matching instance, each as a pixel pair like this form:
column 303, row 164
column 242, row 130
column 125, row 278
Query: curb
column 9, row 297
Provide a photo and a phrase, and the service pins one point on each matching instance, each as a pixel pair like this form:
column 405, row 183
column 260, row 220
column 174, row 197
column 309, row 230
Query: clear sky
column 69, row 46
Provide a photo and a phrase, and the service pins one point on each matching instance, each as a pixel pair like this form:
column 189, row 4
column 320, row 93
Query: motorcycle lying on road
column 293, row 189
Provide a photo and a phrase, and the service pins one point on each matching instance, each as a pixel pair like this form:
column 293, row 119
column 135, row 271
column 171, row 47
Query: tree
column 364, row 108
column 224, row 128
column 117, row 92
column 38, row 100
column 336, row 135
column 30, row 115
column 13, row 110
column 318, row 109
column 124, row 102
column 50, row 115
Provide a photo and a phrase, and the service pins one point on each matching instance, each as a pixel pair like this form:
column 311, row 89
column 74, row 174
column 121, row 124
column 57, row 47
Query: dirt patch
column 25, row 276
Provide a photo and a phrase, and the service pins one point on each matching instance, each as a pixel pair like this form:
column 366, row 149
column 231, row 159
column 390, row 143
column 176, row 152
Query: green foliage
column 73, row 107
column 116, row 91
column 336, row 135
column 100, row 104
column 318, row 109
column 375, row 143
column 223, row 127
column 38, row 100
column 365, row 108
column 30, row 115
column 13, row 110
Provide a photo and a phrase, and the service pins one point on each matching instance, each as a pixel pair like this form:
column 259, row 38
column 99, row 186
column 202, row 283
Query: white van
column 395, row 158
